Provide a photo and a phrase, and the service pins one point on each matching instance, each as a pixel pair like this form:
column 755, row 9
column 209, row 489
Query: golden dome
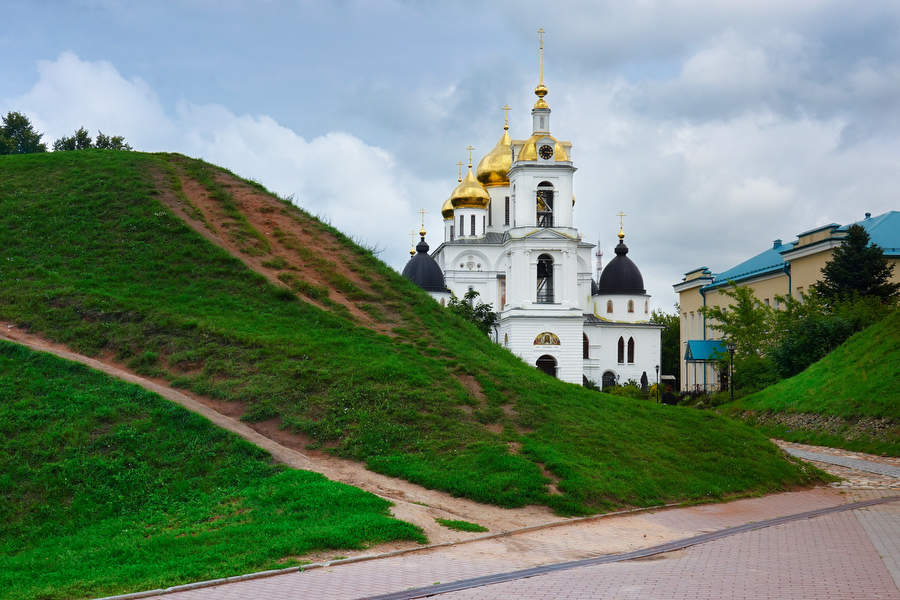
column 529, row 148
column 447, row 209
column 469, row 193
column 493, row 169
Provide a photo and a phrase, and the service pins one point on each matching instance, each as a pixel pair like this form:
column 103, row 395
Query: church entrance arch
column 547, row 364
column 609, row 380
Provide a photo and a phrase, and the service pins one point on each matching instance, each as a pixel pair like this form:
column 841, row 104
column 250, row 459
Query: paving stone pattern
column 825, row 557
column 555, row 545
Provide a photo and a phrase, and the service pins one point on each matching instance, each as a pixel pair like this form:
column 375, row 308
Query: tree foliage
column 469, row 308
column 17, row 135
column 81, row 140
column 747, row 322
column 857, row 268
column 671, row 341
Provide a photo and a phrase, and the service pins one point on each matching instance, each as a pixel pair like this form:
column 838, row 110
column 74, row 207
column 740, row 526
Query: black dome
column 621, row 275
column 423, row 271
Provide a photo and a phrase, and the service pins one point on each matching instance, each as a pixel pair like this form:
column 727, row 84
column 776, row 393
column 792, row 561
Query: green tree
column 747, row 322
column 670, row 339
column 81, row 140
column 17, row 135
column 479, row 313
column 115, row 142
column 857, row 268
column 809, row 328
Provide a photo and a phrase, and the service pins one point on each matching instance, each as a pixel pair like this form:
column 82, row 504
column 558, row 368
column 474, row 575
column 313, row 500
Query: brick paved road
column 617, row 534
column 827, row 557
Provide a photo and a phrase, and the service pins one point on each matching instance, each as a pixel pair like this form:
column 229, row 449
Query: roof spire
column 541, row 90
column 459, row 165
column 505, row 108
column 621, row 233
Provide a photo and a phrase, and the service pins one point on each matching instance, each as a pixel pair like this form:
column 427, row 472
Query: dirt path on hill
column 412, row 503
column 296, row 251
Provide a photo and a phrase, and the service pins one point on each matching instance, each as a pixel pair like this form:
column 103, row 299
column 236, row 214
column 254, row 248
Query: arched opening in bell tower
column 545, row 279
column 545, row 204
column 547, row 364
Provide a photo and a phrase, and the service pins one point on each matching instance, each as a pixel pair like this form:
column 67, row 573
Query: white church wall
column 604, row 348
column 520, row 332
column 641, row 303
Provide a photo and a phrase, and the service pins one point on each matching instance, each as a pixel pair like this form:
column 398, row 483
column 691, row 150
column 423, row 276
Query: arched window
column 472, row 230
column 609, row 308
column 621, row 353
column 452, row 230
column 631, row 350
column 462, row 225
column 646, row 306
column 545, row 279
column 506, row 339
column 545, row 204
column 631, row 306
column 586, row 350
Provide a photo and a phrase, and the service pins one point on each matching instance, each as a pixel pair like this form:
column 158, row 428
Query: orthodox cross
column 459, row 165
column 422, row 212
column 621, row 214
column 541, row 33
column 505, row 108
column 470, row 148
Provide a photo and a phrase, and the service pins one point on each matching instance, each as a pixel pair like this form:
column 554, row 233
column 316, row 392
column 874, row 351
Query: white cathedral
column 509, row 234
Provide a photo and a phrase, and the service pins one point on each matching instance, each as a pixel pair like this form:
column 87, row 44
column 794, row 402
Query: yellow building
column 781, row 270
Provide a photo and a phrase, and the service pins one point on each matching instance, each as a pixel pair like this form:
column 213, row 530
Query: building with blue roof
column 783, row 269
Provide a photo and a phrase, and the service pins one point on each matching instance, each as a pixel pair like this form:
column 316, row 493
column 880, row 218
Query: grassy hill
column 849, row 399
column 106, row 488
column 295, row 322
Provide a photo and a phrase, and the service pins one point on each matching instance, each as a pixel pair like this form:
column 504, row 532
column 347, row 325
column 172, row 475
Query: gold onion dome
column 493, row 169
column 447, row 209
column 469, row 193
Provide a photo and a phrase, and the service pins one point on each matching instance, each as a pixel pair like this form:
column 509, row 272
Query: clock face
column 546, row 152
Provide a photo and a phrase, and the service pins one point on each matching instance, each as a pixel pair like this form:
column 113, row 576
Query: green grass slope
column 90, row 257
column 849, row 399
column 106, row 487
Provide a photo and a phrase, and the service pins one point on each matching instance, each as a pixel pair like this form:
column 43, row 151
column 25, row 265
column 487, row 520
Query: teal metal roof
column 883, row 230
column 704, row 350
column 769, row 261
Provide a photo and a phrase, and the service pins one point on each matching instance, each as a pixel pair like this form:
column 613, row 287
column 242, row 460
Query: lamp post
column 657, row 384
column 731, row 347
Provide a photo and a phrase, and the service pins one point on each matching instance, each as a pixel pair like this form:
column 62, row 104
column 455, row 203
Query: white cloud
column 359, row 188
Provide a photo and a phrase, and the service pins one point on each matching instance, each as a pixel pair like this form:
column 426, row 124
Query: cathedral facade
column 509, row 234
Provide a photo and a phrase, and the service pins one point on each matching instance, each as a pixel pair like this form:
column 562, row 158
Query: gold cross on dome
column 470, row 148
column 621, row 214
column 459, row 165
column 422, row 212
column 541, row 33
column 505, row 108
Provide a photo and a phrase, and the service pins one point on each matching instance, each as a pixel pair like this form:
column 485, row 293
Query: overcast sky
column 716, row 126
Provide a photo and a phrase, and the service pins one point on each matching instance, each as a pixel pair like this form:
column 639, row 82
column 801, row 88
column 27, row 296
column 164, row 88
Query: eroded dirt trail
column 412, row 503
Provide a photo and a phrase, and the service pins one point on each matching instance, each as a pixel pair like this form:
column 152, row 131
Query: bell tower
column 543, row 319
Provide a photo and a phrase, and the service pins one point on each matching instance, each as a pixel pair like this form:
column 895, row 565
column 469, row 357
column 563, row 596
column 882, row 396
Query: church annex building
column 509, row 234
